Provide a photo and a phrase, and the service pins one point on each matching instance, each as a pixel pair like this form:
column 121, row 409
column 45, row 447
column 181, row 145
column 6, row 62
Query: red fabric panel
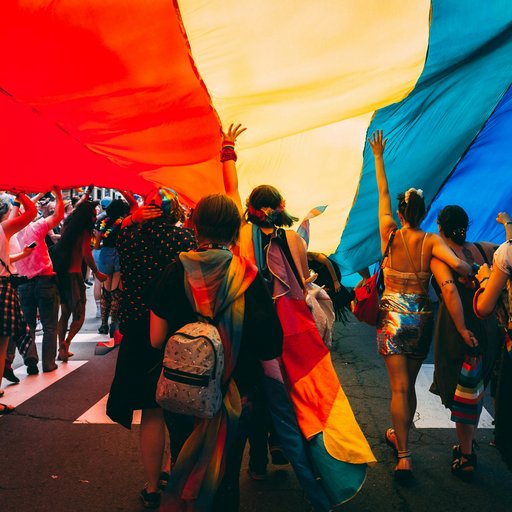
column 116, row 79
column 303, row 348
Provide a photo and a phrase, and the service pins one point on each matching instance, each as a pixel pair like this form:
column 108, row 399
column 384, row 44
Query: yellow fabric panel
column 343, row 437
column 305, row 78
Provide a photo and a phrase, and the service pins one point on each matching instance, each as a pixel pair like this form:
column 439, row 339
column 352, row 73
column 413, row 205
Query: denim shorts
column 107, row 260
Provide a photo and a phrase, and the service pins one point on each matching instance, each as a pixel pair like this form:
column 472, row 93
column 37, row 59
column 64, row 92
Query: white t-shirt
column 38, row 262
column 503, row 258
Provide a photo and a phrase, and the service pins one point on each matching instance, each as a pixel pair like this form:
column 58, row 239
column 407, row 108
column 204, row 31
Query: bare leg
column 97, row 296
column 62, row 327
column 75, row 327
column 465, row 434
column 397, row 367
column 152, row 445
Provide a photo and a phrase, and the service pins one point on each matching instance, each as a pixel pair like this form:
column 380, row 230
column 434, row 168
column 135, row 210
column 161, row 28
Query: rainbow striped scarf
column 215, row 280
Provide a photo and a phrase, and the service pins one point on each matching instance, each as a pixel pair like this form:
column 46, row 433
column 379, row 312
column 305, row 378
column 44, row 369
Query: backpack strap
column 388, row 248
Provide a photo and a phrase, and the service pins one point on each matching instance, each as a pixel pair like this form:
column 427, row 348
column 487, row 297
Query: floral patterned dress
column 144, row 251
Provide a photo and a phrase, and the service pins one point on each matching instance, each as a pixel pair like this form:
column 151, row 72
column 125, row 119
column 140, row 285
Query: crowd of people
column 159, row 267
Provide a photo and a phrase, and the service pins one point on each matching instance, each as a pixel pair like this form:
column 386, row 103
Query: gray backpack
column 191, row 378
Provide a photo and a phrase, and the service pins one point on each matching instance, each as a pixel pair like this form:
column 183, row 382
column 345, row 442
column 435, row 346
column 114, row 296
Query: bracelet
column 484, row 279
column 16, row 204
column 475, row 303
column 509, row 222
column 227, row 153
column 448, row 281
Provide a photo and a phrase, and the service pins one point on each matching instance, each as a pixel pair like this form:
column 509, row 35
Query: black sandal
column 464, row 466
column 403, row 476
column 457, row 452
column 163, row 480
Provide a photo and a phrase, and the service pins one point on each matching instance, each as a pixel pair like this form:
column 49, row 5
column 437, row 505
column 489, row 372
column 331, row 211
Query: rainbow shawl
column 334, row 443
column 215, row 280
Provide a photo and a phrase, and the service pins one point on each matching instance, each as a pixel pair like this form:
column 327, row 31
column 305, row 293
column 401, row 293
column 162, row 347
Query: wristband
column 228, row 153
column 475, row 303
column 16, row 204
column 509, row 222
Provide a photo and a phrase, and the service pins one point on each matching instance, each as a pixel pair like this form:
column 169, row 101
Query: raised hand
column 503, row 218
column 146, row 212
column 232, row 133
column 377, row 142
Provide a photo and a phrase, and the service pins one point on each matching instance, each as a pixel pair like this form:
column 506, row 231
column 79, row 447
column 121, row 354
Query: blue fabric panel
column 482, row 181
column 467, row 72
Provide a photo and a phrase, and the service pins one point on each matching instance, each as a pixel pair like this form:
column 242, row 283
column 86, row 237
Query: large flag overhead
column 126, row 94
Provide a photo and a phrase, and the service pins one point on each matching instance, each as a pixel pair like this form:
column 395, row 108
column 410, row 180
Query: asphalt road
column 49, row 463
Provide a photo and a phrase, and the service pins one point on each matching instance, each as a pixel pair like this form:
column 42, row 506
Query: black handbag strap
column 5, row 266
column 388, row 246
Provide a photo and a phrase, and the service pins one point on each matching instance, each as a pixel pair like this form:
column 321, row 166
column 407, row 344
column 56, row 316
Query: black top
column 144, row 252
column 262, row 336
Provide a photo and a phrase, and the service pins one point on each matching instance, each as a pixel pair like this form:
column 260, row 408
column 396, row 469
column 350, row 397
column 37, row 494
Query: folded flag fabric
column 467, row 400
column 303, row 229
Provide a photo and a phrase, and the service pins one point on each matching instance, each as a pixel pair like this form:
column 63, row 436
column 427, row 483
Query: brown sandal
column 390, row 438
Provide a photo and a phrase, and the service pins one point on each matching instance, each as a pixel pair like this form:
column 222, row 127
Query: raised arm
column 130, row 199
column 451, row 298
column 505, row 219
column 85, row 196
column 15, row 224
column 386, row 221
column 58, row 215
column 228, row 159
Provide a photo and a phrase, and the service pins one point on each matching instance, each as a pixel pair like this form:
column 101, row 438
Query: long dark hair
column 80, row 220
column 453, row 221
